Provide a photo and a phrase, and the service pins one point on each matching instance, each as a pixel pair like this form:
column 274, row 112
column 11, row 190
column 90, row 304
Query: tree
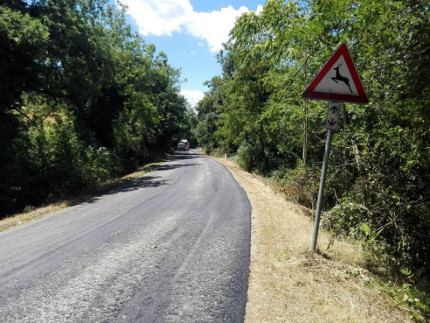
column 379, row 168
column 83, row 99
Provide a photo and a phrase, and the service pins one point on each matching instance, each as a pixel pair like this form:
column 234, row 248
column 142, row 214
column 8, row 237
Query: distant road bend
column 172, row 247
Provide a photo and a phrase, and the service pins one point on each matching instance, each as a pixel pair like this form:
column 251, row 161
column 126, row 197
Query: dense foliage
column 82, row 99
column 378, row 190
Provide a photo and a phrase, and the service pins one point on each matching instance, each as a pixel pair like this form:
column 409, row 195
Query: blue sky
column 190, row 32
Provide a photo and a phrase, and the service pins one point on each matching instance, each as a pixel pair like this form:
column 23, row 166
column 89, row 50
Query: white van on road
column 183, row 145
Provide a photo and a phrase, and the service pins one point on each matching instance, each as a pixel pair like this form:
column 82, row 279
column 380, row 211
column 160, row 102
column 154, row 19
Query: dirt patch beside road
column 288, row 283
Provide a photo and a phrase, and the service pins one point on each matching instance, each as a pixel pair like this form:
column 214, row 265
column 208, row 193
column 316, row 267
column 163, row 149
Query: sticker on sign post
column 333, row 115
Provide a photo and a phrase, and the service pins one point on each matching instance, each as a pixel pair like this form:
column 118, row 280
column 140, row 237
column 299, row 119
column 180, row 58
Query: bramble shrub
column 300, row 184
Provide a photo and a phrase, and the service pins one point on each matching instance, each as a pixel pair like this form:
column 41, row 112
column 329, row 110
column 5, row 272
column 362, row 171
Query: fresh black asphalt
column 174, row 246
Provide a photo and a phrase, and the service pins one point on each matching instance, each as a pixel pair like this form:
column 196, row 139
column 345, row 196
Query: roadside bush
column 348, row 219
column 55, row 162
column 255, row 155
column 245, row 157
column 62, row 163
column 300, row 183
column 98, row 166
column 14, row 170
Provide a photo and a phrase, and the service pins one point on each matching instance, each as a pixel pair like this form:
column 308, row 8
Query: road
column 174, row 246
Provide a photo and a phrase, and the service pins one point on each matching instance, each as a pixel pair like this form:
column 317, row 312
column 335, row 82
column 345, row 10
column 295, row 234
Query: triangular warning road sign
column 338, row 80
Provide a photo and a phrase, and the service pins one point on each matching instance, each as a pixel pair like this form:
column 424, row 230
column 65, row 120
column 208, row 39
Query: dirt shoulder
column 288, row 283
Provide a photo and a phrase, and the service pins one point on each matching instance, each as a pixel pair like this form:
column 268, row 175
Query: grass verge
column 288, row 283
column 31, row 214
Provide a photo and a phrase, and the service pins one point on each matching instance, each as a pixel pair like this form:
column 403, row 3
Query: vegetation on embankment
column 378, row 186
column 289, row 283
column 83, row 100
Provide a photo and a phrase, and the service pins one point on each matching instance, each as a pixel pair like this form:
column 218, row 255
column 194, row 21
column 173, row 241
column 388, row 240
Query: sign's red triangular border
column 362, row 98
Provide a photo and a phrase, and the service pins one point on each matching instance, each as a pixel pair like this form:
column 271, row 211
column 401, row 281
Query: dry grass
column 32, row 214
column 288, row 283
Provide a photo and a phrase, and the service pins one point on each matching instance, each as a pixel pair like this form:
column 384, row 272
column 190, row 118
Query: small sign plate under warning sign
column 333, row 115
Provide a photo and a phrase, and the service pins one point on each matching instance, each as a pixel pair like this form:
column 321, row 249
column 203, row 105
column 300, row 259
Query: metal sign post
column 332, row 125
column 338, row 82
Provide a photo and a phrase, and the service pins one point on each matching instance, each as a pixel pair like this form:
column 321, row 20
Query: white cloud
column 193, row 96
column 259, row 9
column 164, row 17
column 214, row 26
column 159, row 17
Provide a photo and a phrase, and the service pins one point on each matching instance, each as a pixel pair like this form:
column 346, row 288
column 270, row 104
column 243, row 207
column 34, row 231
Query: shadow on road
column 129, row 186
column 174, row 166
column 179, row 155
column 146, row 181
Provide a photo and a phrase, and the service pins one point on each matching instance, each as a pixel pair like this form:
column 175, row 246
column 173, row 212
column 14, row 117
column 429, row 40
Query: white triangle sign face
column 338, row 80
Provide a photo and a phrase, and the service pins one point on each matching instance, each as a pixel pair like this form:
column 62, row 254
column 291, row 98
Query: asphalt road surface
column 172, row 247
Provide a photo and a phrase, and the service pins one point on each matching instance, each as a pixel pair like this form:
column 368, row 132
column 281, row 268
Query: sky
column 190, row 32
